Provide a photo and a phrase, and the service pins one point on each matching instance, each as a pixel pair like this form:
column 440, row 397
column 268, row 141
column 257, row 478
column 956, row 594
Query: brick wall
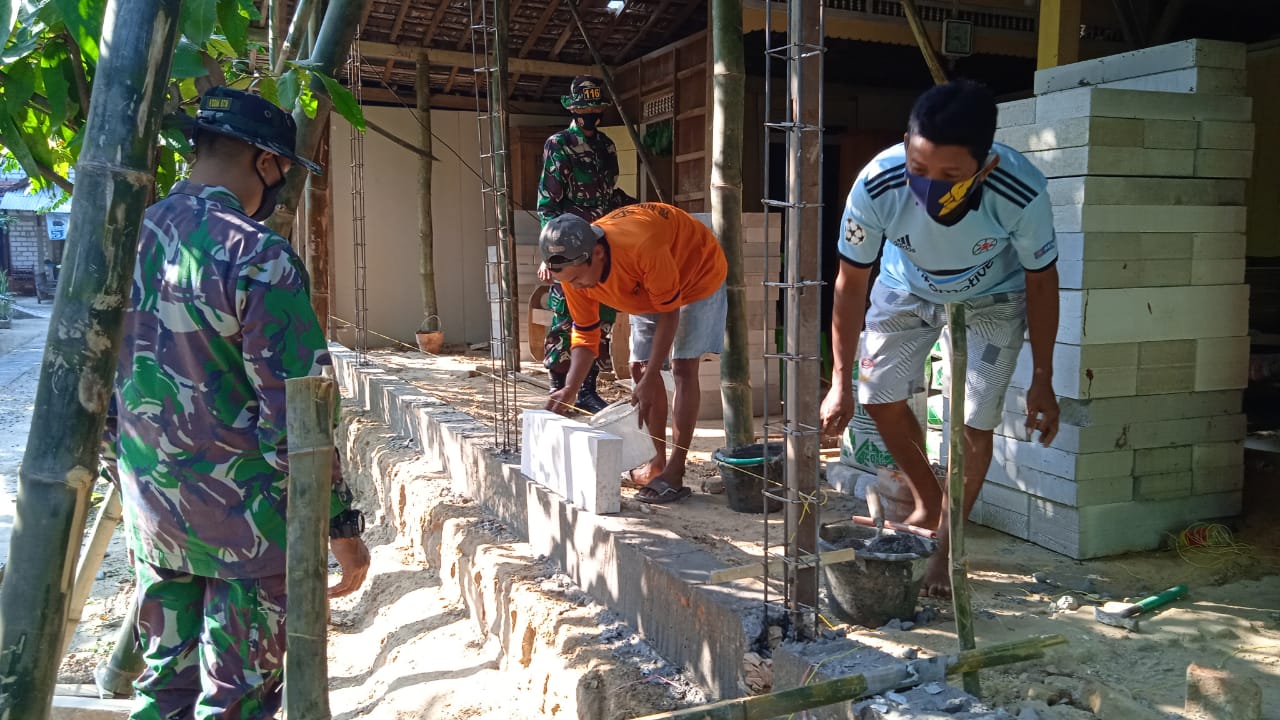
column 26, row 240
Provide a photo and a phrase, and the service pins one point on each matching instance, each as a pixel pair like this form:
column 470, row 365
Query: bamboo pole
column 922, row 39
column 91, row 561
column 297, row 28
column 852, row 687
column 607, row 76
column 502, row 182
column 955, row 490
column 113, row 183
column 310, row 404
column 426, row 239
column 320, row 235
column 332, row 45
column 728, row 89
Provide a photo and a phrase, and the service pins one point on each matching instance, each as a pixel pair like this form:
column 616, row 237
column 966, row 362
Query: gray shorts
column 701, row 329
column 901, row 329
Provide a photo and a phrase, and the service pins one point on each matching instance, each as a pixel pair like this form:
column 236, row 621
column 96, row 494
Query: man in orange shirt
column 664, row 268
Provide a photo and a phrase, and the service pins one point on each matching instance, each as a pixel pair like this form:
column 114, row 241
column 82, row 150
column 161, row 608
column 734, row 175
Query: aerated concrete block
column 1142, row 104
column 1222, row 363
column 1139, row 63
column 1161, row 487
column 1209, row 456
column 1157, row 461
column 545, row 455
column 595, row 470
column 1224, row 163
column 1139, row 409
column 1101, row 190
column 1124, row 246
column 1217, row 480
column 1016, row 112
column 1000, row 518
column 1105, row 160
column 1015, row 453
column 1099, row 530
column 1149, row 218
column 1217, row 135
column 1074, row 132
column 1175, row 431
column 1075, row 493
column 1168, row 366
column 1089, row 371
column 1077, row 275
column 1147, row 314
column 1198, row 80
column 1218, row 271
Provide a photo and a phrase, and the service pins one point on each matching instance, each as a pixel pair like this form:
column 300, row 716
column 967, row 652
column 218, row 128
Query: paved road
column 21, row 349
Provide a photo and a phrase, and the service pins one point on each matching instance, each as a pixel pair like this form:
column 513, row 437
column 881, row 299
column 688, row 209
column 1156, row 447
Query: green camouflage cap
column 584, row 92
column 250, row 118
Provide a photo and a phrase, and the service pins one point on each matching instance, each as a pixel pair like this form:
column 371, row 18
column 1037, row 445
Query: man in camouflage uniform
column 217, row 320
column 579, row 171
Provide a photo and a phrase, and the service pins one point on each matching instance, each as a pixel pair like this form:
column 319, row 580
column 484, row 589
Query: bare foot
column 937, row 578
column 672, row 475
column 641, row 476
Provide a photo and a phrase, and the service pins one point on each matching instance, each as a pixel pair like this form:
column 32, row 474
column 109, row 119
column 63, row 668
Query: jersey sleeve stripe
column 885, row 176
column 586, row 328
column 1013, row 181
column 882, row 189
column 855, row 263
column 1044, row 267
column 1007, row 195
column 1012, row 189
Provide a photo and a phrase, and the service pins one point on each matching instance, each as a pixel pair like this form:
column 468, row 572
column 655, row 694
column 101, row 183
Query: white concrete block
column 1218, row 135
column 1133, row 436
column 1226, row 479
column 1199, row 80
column 1215, row 246
column 1013, row 454
column 1166, row 367
column 1137, row 63
column 595, row 470
column 1222, row 363
column 1146, row 314
column 1137, row 409
column 1016, row 112
column 1074, row 132
column 999, row 518
column 1124, row 246
column 1224, row 163
column 1163, row 486
column 1209, row 456
column 1170, row 134
column 1091, row 371
column 1078, row 492
column 1099, row 190
column 1099, row 530
column 1149, row 218
column 1218, row 272
column 1112, row 102
column 1103, row 160
column 1076, row 275
column 1157, row 461
column 1006, row 497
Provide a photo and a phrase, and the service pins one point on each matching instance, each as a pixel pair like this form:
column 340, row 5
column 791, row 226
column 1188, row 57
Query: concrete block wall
column 1147, row 154
column 25, row 240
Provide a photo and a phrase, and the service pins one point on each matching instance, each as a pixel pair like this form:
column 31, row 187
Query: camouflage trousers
column 556, row 346
column 214, row 648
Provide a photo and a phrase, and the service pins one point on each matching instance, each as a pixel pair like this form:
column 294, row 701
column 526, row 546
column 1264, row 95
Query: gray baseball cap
column 567, row 240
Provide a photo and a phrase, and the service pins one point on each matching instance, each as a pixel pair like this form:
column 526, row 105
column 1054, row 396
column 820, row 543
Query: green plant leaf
column 250, row 9
column 287, row 89
column 198, row 19
column 20, row 86
column 84, row 20
column 186, row 62
column 8, row 18
column 35, row 129
column 343, row 101
column 54, row 69
column 177, row 140
column 268, row 90
column 17, row 145
column 234, row 22
column 19, row 49
column 309, row 102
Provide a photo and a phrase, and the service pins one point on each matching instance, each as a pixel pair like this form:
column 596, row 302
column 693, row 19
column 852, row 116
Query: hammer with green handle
column 1125, row 615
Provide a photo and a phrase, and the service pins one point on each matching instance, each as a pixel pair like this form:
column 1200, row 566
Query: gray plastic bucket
column 878, row 586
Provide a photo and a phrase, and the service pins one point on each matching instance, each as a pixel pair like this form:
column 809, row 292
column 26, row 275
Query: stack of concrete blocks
column 579, row 463
column 1147, row 155
column 756, row 271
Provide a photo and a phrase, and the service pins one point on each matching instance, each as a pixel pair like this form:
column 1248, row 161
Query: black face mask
column 270, row 193
column 588, row 121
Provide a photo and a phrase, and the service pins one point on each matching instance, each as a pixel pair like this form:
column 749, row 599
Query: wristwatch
column 346, row 524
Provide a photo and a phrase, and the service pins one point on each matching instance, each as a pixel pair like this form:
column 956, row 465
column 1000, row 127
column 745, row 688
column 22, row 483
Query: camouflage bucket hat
column 584, row 92
column 250, row 118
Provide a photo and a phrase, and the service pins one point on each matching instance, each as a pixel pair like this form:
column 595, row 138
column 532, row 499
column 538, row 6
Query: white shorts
column 701, row 329
column 902, row 328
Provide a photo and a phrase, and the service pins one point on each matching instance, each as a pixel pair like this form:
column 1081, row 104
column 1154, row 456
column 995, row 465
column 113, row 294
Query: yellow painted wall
column 1264, row 187
column 628, row 163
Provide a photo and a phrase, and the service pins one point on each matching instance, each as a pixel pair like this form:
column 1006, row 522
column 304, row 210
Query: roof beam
column 456, row 58
column 662, row 9
column 442, row 7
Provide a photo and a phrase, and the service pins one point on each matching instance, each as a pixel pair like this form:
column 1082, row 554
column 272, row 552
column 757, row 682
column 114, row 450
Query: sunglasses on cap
column 556, row 263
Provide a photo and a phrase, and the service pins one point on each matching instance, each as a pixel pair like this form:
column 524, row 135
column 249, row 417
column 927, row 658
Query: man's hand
column 561, row 401
column 543, row 273
column 353, row 556
column 645, row 394
column 1042, row 410
column 837, row 410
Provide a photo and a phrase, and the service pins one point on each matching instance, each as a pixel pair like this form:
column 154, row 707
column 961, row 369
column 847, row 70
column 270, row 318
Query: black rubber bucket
column 744, row 469
column 883, row 583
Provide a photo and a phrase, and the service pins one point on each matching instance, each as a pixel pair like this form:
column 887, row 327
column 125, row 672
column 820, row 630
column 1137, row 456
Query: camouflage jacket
column 578, row 176
column 218, row 318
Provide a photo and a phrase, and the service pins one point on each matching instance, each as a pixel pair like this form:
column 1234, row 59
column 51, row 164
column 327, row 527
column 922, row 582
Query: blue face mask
column 945, row 201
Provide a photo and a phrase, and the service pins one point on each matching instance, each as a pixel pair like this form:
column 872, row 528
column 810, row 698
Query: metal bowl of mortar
column 883, row 582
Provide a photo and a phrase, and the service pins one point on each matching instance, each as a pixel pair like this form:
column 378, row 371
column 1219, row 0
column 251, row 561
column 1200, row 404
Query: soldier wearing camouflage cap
column 579, row 171
column 218, row 318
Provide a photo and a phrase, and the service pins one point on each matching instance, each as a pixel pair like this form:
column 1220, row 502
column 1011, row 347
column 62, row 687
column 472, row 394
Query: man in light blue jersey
column 954, row 218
